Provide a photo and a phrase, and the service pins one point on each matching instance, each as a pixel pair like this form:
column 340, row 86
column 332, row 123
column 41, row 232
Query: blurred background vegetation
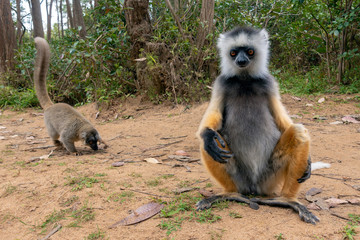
column 314, row 49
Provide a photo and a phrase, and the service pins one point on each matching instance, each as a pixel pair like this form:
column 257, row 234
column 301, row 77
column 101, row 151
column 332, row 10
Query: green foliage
column 309, row 41
column 182, row 208
column 350, row 229
column 80, row 182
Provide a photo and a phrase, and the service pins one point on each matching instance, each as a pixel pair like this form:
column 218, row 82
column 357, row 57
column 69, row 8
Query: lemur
column 61, row 120
column 249, row 144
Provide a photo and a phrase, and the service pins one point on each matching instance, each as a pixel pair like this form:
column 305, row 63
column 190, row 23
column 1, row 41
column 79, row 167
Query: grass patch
column 181, row 209
column 53, row 218
column 80, row 182
column 9, row 189
column 84, row 214
column 121, row 197
column 69, row 201
column 96, row 235
column 350, row 229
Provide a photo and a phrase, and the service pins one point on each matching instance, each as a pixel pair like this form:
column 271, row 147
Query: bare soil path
column 86, row 194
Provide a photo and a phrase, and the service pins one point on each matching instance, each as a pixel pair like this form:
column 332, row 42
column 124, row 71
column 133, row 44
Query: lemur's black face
column 92, row 140
column 242, row 56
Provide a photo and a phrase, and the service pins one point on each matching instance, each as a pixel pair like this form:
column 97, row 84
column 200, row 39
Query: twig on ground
column 42, row 147
column 341, row 217
column 57, row 228
column 161, row 146
column 151, row 194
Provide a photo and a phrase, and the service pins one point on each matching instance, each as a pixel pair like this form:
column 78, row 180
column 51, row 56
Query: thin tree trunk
column 79, row 18
column 69, row 14
column 7, row 37
column 205, row 27
column 18, row 22
column 48, row 12
column 37, row 20
column 138, row 24
column 61, row 19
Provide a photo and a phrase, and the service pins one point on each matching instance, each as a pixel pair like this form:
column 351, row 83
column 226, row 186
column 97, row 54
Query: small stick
column 58, row 227
column 43, row 147
column 161, row 146
column 151, row 194
column 341, row 217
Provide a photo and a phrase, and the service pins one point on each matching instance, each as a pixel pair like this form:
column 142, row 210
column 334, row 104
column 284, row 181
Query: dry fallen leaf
column 333, row 202
column 33, row 159
column 349, row 119
column 117, row 164
column 142, row 213
column 354, row 201
column 321, row 100
column 313, row 206
column 152, row 160
column 181, row 153
column 205, row 193
column 322, row 204
column 313, row 191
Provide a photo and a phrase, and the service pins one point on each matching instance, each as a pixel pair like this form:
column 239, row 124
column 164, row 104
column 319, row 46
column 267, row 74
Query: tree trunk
column 48, row 13
column 7, row 37
column 37, row 20
column 18, row 22
column 79, row 18
column 206, row 22
column 138, row 24
column 69, row 14
column 61, row 19
column 205, row 28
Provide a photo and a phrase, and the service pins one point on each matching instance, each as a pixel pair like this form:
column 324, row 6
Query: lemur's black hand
column 211, row 139
column 307, row 172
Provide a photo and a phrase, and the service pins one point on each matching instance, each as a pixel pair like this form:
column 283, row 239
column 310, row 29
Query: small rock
column 321, row 100
column 309, row 105
column 2, row 138
column 358, row 130
column 336, row 123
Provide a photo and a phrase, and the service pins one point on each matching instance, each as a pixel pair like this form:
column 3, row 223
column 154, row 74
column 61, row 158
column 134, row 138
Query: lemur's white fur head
column 244, row 37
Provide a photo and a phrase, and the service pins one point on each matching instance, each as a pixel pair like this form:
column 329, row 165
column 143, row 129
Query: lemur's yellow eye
column 250, row 52
column 233, row 53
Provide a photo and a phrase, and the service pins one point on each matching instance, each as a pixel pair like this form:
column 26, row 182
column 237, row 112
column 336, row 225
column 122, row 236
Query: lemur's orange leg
column 290, row 160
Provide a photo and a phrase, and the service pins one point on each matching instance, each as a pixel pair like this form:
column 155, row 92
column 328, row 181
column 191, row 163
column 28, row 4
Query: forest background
column 165, row 50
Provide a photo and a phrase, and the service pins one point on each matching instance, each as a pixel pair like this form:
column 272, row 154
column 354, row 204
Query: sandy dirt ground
column 86, row 194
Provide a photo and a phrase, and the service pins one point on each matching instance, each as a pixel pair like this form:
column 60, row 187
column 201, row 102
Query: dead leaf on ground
column 349, row 119
column 296, row 98
column 313, row 206
column 205, row 193
column 181, row 153
column 321, row 100
column 322, row 204
column 34, row 159
column 313, row 191
column 152, row 160
column 355, row 201
column 142, row 213
column 117, row 164
column 356, row 187
column 183, row 158
column 333, row 202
